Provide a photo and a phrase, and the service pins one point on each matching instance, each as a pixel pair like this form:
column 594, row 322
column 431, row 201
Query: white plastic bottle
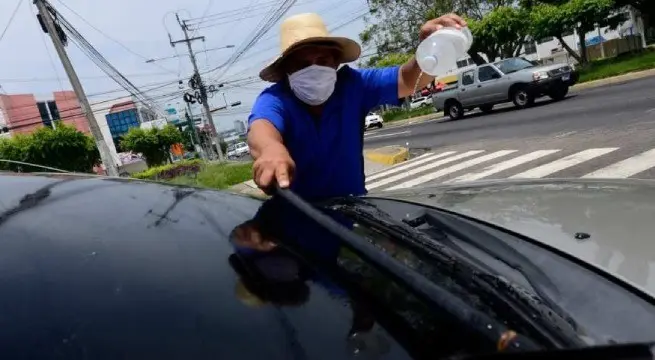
column 439, row 53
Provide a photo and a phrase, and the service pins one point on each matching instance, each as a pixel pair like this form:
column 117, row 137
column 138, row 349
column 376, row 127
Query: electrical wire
column 100, row 60
column 111, row 38
column 209, row 6
column 11, row 19
column 155, row 87
column 79, row 113
column 331, row 29
column 52, row 61
column 260, row 30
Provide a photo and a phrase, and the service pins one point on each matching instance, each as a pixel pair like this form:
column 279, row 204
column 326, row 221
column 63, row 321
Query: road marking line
column 449, row 170
column 505, row 165
column 650, row 111
column 569, row 133
column 386, row 135
column 626, row 168
column 423, row 168
column 563, row 163
column 408, row 164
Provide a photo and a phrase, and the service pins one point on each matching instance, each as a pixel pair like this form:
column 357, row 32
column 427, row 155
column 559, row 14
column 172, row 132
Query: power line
column 331, row 29
column 209, row 5
column 11, row 19
column 78, row 114
column 32, row 80
column 111, row 38
column 262, row 28
column 101, row 61
column 52, row 62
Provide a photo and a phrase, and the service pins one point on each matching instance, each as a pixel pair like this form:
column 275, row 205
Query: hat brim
column 350, row 51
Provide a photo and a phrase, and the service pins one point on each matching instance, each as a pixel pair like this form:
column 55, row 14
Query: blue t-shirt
column 328, row 152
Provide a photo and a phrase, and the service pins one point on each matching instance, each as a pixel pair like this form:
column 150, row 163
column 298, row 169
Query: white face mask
column 314, row 84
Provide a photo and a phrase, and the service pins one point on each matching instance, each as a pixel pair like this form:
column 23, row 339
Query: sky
column 132, row 31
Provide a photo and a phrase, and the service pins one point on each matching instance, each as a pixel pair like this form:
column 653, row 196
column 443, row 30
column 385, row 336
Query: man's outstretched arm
column 273, row 164
column 410, row 71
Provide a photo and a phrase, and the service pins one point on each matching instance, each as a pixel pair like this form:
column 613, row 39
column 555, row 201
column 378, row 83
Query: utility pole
column 201, row 84
column 190, row 122
column 105, row 154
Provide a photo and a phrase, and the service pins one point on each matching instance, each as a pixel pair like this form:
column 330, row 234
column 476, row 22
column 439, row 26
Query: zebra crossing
column 471, row 165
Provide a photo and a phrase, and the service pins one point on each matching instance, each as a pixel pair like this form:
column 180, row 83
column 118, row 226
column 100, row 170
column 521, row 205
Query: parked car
column 481, row 271
column 517, row 80
column 373, row 120
column 418, row 102
column 238, row 149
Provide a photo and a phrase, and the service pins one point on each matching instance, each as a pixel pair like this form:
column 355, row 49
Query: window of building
column 54, row 111
column 487, row 73
column 45, row 115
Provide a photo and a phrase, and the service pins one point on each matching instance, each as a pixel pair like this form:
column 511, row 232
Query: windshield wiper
column 435, row 244
column 411, row 280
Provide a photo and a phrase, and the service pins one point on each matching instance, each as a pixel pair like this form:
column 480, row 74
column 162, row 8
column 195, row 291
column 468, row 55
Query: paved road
column 604, row 132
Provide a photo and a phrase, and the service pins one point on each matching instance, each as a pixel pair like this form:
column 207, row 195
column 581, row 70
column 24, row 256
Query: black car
column 113, row 268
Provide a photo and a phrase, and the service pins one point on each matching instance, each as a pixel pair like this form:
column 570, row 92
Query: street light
column 150, row 61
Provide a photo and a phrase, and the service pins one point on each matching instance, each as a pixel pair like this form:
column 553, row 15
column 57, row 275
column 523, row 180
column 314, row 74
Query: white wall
column 99, row 111
column 545, row 50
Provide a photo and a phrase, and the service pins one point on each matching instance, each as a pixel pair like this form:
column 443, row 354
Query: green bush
column 154, row 144
column 62, row 148
column 217, row 176
column 170, row 171
column 402, row 113
column 622, row 64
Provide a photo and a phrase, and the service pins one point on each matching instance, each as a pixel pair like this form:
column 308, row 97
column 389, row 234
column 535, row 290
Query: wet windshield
column 513, row 65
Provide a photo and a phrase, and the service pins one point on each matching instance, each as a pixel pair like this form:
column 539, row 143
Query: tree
column 63, row 148
column 646, row 8
column 500, row 33
column 555, row 18
column 397, row 22
column 390, row 59
column 153, row 143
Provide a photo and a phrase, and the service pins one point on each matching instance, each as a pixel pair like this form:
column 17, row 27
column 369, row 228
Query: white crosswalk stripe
column 423, row 168
column 458, row 167
column 505, row 165
column 409, row 164
column 563, row 163
column 626, row 168
column 452, row 169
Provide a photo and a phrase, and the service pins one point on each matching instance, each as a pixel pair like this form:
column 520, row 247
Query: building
column 601, row 42
column 24, row 113
column 125, row 115
column 239, row 127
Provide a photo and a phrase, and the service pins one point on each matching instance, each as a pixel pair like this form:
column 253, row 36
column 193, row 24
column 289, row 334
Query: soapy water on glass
column 439, row 52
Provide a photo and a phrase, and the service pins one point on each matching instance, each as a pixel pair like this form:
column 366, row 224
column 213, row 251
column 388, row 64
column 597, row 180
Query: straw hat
column 304, row 29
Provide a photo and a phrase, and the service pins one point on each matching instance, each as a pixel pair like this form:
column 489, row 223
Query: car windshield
column 509, row 66
column 231, row 147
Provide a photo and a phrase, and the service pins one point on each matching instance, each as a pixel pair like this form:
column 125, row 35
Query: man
column 305, row 131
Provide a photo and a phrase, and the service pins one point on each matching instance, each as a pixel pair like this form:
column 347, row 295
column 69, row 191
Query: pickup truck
column 516, row 79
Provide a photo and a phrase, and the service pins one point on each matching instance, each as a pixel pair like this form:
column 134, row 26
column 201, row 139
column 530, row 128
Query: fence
column 614, row 47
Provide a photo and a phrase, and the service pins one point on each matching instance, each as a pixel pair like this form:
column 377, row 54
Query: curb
column 415, row 120
column 388, row 155
column 614, row 79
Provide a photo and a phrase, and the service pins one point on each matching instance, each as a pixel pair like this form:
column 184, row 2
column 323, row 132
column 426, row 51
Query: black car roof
column 103, row 268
